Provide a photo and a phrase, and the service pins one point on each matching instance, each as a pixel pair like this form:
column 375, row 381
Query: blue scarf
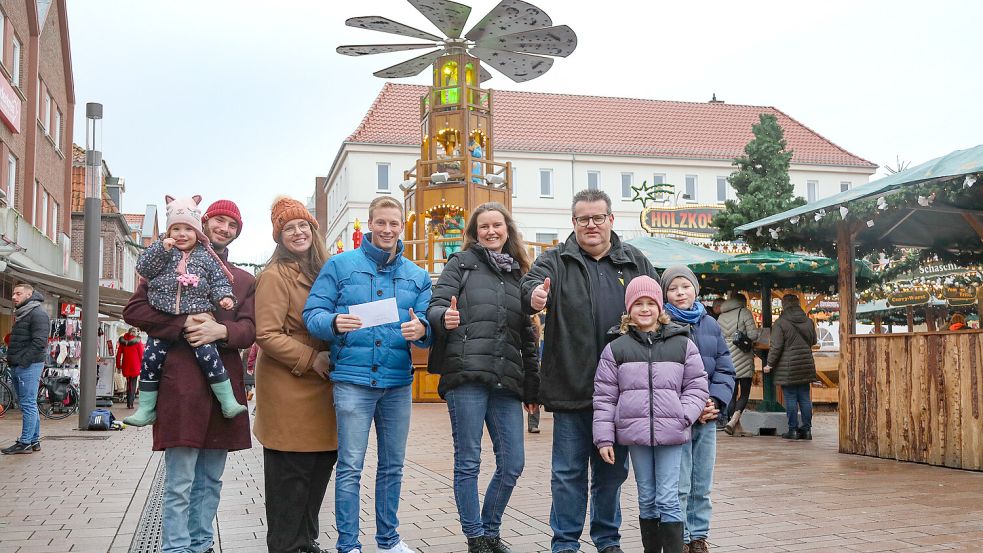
column 688, row 316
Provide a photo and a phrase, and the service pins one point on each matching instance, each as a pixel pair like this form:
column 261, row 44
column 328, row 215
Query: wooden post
column 910, row 314
column 848, row 306
column 769, row 398
column 878, row 323
column 930, row 318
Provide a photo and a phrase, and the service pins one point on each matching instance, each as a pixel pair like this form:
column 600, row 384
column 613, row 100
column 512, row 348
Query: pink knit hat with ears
column 643, row 287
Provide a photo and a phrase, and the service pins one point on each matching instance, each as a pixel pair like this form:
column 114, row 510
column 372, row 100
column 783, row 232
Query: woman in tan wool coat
column 295, row 417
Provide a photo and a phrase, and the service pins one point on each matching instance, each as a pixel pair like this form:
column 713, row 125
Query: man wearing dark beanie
column 195, row 437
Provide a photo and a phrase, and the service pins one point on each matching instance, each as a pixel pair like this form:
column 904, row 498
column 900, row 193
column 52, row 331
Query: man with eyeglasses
column 582, row 285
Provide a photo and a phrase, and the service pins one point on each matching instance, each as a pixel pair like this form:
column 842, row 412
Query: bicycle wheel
column 57, row 410
column 6, row 397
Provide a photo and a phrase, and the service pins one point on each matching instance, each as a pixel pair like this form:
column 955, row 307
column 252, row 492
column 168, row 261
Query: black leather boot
column 671, row 535
column 496, row 545
column 651, row 540
column 478, row 545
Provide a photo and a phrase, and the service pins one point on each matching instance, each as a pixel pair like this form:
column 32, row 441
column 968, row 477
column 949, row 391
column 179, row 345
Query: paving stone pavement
column 770, row 495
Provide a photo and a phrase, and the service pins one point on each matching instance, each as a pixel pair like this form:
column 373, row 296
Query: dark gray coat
column 29, row 336
column 495, row 344
column 570, row 353
column 790, row 353
column 159, row 267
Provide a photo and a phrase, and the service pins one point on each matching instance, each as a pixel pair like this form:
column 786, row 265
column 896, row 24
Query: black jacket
column 495, row 344
column 570, row 352
column 29, row 337
column 790, row 353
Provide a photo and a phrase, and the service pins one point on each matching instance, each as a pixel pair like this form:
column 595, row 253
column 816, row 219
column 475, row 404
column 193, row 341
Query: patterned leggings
column 153, row 364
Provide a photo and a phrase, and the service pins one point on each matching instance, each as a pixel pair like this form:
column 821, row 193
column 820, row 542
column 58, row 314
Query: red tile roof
column 530, row 121
column 134, row 219
column 78, row 193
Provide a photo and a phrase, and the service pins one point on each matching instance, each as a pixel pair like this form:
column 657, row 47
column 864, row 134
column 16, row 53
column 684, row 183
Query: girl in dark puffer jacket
column 649, row 390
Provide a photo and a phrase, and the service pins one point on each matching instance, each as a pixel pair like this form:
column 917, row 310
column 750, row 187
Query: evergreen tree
column 761, row 181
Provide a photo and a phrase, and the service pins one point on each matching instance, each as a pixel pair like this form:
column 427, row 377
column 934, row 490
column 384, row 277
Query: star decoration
column 761, row 266
column 820, row 214
column 814, row 265
column 794, row 220
column 882, row 203
column 644, row 193
column 716, row 267
column 843, row 211
column 970, row 180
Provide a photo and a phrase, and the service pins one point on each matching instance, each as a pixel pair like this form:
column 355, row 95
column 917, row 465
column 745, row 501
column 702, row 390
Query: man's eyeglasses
column 586, row 219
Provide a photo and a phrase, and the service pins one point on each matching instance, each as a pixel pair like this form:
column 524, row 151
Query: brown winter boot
column 734, row 421
column 699, row 546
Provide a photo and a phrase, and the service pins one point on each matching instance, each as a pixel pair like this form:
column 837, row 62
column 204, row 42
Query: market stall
column 912, row 396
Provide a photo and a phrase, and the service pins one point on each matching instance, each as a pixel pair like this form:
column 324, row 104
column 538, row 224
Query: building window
column 382, row 177
column 54, row 218
column 515, row 184
column 691, row 187
column 57, row 134
column 593, row 180
column 46, row 114
column 15, row 63
column 11, row 181
column 844, row 186
column 811, row 187
column 3, row 27
column 721, row 189
column 44, row 211
column 657, row 179
column 544, row 238
column 545, row 183
column 627, row 180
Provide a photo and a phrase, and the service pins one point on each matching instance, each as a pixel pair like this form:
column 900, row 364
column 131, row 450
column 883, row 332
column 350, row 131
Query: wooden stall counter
column 914, row 397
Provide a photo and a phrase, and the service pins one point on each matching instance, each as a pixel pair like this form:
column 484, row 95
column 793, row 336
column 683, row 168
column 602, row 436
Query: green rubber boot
column 146, row 412
column 231, row 408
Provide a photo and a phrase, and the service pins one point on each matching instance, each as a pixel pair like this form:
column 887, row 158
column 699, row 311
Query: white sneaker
column 400, row 547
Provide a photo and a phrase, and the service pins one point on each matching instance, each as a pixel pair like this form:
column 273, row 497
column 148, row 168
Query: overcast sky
column 246, row 100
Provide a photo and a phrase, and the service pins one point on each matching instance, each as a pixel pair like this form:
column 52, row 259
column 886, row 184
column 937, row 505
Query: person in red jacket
column 129, row 354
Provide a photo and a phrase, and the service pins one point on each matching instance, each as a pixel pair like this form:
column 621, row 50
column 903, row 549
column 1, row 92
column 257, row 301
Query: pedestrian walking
column 25, row 357
column 790, row 358
column 295, row 417
column 197, row 437
column 129, row 357
column 740, row 331
column 486, row 355
column 700, row 454
column 649, row 390
column 373, row 372
column 582, row 284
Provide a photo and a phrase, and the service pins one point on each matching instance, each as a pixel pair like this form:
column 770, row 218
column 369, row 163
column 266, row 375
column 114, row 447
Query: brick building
column 117, row 248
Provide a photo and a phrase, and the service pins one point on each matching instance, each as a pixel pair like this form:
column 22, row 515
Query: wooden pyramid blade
column 411, row 67
column 552, row 41
column 516, row 66
column 509, row 16
column 449, row 17
column 386, row 25
column 367, row 49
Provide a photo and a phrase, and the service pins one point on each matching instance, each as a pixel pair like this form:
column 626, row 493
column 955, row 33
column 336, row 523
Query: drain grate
column 79, row 437
column 147, row 538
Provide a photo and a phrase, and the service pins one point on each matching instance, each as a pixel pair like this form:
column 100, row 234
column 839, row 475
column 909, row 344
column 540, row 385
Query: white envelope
column 376, row 313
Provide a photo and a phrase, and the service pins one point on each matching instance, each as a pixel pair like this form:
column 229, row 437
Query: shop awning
column 665, row 252
column 111, row 301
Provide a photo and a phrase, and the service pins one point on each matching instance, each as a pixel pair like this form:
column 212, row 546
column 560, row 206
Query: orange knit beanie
column 285, row 210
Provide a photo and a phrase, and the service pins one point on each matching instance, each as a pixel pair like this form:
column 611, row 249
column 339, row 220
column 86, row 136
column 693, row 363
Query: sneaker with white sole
column 400, row 547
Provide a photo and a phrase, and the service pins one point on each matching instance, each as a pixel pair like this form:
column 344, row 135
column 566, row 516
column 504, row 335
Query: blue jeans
column 796, row 399
column 26, row 382
column 356, row 407
column 471, row 407
column 573, row 453
column 192, row 488
column 696, row 479
column 657, row 476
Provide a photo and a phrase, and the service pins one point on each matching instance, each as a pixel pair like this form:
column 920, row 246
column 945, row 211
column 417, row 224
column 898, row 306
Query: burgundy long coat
column 187, row 413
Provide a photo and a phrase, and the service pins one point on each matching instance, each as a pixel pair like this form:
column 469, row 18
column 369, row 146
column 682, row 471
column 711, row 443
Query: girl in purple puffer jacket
column 649, row 390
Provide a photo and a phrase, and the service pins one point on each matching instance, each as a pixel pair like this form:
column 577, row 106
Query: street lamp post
column 92, row 264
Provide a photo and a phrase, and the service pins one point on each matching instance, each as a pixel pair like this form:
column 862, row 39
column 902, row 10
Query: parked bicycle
column 58, row 398
column 7, row 396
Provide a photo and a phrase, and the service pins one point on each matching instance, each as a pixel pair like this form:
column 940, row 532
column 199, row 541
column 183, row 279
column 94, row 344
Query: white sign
column 376, row 313
column 104, row 377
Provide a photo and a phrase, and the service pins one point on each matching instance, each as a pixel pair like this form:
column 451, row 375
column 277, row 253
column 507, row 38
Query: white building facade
column 613, row 157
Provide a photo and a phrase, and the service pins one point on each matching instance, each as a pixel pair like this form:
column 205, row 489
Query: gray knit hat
column 677, row 271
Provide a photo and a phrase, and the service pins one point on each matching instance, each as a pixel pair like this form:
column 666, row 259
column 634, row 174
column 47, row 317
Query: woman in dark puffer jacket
column 485, row 353
column 790, row 356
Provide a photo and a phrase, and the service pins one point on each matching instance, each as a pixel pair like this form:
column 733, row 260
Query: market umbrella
column 768, row 269
column 751, row 271
column 664, row 252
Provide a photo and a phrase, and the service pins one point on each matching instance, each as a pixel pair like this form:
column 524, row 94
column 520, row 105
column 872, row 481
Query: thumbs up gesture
column 452, row 317
column 413, row 329
column 540, row 294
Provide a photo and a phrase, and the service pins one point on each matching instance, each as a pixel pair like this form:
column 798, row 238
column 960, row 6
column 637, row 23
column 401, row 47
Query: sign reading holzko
column 685, row 220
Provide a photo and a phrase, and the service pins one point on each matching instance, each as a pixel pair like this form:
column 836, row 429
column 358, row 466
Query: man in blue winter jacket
column 372, row 370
